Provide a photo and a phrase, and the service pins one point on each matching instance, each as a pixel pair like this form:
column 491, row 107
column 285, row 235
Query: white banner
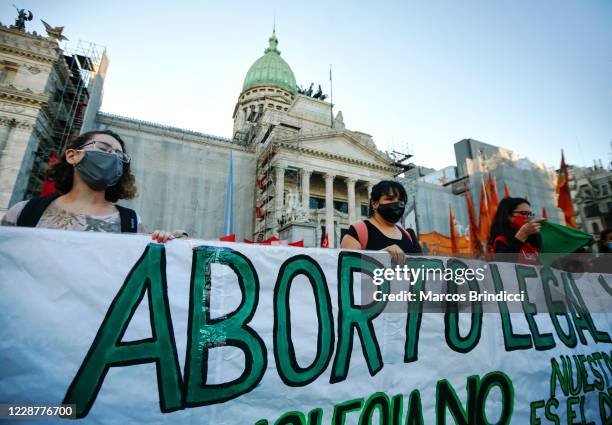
column 221, row 333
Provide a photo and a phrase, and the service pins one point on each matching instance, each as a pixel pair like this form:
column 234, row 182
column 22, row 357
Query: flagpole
column 228, row 224
column 331, row 96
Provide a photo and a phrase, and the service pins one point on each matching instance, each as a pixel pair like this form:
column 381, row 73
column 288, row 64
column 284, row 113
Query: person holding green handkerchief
column 514, row 231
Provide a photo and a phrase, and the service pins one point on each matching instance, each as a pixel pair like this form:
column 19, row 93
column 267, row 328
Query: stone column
column 329, row 208
column 350, row 187
column 279, row 183
column 305, row 177
column 369, row 185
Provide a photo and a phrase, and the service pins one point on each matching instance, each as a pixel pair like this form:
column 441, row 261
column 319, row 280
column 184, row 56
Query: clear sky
column 531, row 76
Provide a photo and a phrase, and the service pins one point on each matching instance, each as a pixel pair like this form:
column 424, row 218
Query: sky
column 531, row 76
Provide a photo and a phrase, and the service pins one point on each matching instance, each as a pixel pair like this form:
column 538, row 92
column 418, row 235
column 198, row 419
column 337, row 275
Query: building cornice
column 23, row 97
column 36, row 45
column 328, row 155
column 163, row 130
column 335, row 133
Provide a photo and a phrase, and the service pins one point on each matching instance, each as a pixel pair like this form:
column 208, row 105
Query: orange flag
column 325, row 243
column 506, row 191
column 453, row 232
column 475, row 244
column 564, row 200
column 492, row 197
column 484, row 220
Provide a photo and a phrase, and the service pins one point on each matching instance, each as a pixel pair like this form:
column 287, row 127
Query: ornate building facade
column 46, row 96
column 298, row 173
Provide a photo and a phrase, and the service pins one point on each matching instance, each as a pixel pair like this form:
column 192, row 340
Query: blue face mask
column 100, row 169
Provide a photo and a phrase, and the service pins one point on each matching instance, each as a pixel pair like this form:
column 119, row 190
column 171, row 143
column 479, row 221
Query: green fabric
column 558, row 240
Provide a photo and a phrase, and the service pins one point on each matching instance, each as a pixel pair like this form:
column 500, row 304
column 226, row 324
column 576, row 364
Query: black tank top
column 377, row 240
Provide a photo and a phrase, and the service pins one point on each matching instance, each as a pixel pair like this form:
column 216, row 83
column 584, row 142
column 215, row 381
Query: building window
column 317, row 203
column 364, row 210
column 595, row 227
column 604, row 190
column 341, row 206
column 8, row 71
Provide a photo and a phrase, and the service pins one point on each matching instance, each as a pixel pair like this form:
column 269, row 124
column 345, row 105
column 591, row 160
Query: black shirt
column 377, row 240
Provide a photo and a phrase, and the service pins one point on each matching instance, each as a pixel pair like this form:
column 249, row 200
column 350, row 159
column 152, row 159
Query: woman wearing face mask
column 381, row 231
column 514, row 231
column 91, row 176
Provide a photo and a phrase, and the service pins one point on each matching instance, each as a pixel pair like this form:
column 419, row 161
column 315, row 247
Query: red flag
column 564, row 200
column 48, row 188
column 475, row 244
column 325, row 243
column 492, row 197
column 484, row 221
column 298, row 243
column 544, row 213
column 259, row 212
column 453, row 232
column 248, row 241
column 260, row 183
column 228, row 238
column 506, row 191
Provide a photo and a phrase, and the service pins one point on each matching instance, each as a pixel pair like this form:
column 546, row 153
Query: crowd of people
column 94, row 173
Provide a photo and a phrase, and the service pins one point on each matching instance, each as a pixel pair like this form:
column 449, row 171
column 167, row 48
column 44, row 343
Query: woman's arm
column 351, row 239
column 349, row 242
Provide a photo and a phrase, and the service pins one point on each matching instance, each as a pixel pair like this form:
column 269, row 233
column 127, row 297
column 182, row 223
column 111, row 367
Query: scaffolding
column 265, row 197
column 68, row 99
column 267, row 216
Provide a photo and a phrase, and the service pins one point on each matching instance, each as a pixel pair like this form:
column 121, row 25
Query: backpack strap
column 415, row 240
column 405, row 233
column 129, row 219
column 34, row 209
column 362, row 233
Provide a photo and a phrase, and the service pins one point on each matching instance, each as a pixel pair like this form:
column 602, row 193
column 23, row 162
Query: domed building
column 268, row 84
column 289, row 169
column 305, row 158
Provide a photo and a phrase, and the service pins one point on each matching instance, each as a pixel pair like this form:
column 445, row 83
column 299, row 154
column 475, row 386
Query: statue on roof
column 319, row 93
column 22, row 17
column 54, row 32
column 309, row 91
column 339, row 121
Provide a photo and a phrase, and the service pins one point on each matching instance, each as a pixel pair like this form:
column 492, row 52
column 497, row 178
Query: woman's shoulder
column 12, row 215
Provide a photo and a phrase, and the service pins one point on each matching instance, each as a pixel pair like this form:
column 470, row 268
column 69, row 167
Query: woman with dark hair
column 514, row 231
column 92, row 174
column 381, row 231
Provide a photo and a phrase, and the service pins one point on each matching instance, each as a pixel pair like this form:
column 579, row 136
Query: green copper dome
column 270, row 69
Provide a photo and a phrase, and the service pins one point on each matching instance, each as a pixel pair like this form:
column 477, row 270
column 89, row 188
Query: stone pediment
column 341, row 144
column 280, row 99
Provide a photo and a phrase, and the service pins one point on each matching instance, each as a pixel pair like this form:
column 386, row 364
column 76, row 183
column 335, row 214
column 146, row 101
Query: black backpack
column 34, row 209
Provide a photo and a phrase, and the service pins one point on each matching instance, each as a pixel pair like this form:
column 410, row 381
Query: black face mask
column 392, row 212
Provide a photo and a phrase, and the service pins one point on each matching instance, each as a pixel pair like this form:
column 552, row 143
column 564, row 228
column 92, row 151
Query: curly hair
column 62, row 173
